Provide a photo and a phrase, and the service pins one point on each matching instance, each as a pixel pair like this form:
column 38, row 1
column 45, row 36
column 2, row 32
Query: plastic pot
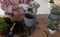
column 53, row 17
column 29, row 19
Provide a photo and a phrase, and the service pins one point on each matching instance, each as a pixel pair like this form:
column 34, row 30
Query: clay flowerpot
column 29, row 20
column 51, row 31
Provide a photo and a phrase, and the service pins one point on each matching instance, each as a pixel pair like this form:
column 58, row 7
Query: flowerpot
column 51, row 31
column 53, row 17
column 29, row 19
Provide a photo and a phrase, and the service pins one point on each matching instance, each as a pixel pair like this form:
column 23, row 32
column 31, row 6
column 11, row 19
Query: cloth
column 34, row 5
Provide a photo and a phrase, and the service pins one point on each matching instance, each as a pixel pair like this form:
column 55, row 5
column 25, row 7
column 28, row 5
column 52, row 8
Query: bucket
column 29, row 19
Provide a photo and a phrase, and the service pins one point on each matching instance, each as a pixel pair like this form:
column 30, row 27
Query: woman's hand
column 15, row 7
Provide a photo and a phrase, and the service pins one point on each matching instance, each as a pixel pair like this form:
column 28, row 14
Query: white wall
column 44, row 9
column 1, row 11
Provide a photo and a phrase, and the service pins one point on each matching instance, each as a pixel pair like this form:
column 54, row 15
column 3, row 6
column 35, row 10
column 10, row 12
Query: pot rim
column 51, row 29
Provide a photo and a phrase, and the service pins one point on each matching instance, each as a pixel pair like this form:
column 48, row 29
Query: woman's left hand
column 15, row 7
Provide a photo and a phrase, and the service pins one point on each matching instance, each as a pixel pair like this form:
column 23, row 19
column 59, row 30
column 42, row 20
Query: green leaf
column 52, row 26
column 3, row 25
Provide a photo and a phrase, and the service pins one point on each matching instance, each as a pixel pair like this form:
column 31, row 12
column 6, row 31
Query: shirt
column 7, row 5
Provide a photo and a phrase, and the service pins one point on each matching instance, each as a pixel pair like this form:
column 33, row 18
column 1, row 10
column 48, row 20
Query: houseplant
column 3, row 25
column 56, row 11
column 52, row 27
column 55, row 14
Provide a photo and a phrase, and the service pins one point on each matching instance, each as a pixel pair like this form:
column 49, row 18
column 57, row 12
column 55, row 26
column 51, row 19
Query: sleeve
column 21, row 1
column 9, row 8
column 5, row 7
column 3, row 4
column 26, row 1
column 2, row 1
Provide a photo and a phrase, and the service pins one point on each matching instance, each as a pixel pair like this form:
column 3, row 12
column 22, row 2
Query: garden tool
column 10, row 33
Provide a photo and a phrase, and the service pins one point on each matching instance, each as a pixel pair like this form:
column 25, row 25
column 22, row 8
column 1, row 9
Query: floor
column 41, row 27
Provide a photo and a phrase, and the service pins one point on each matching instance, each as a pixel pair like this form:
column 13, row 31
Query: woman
column 12, row 7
